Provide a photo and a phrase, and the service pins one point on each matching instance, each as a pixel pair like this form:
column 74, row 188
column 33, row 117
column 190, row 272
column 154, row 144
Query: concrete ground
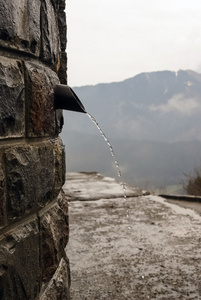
column 141, row 247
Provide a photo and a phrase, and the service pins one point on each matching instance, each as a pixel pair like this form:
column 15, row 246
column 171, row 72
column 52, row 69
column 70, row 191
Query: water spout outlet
column 65, row 98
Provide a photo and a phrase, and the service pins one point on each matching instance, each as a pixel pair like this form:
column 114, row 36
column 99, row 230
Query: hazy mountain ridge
column 152, row 120
column 147, row 105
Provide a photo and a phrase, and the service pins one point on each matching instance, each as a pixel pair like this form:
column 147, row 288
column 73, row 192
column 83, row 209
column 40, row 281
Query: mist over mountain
column 152, row 121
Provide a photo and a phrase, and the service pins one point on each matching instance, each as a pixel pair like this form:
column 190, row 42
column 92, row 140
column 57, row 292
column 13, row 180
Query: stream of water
column 111, row 151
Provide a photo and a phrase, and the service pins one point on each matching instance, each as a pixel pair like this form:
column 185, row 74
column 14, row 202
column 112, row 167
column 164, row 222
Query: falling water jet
column 111, row 151
column 65, row 98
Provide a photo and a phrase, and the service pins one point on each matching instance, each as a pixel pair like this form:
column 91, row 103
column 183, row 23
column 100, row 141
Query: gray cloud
column 185, row 106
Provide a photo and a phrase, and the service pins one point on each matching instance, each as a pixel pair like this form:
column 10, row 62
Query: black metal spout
column 65, row 98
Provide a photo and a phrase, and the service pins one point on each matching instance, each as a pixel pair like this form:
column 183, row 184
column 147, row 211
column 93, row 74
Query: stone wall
column 33, row 210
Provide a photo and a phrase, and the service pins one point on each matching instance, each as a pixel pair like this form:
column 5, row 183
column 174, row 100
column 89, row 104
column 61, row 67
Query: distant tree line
column 192, row 184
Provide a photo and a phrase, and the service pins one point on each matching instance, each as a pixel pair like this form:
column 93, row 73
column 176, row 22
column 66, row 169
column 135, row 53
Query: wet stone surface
column 93, row 186
column 141, row 248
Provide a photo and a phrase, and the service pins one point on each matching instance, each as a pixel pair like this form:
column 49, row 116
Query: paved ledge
column 144, row 247
column 93, row 186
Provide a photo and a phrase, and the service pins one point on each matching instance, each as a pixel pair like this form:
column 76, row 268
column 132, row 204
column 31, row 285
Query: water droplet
column 124, row 189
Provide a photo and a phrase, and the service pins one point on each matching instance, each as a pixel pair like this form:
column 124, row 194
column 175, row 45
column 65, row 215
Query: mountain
column 152, row 121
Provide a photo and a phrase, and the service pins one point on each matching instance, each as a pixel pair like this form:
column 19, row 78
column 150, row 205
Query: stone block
column 40, row 96
column 54, row 237
column 46, row 174
column 20, row 25
column 50, row 51
column 30, row 172
column 12, row 98
column 63, row 204
column 62, row 25
column 62, row 69
column 63, row 40
column 60, row 167
column 20, row 263
column 2, row 195
column 59, row 286
column 59, row 121
column 22, row 179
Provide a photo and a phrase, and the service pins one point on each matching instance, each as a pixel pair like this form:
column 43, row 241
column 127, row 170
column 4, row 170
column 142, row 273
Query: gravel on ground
column 142, row 247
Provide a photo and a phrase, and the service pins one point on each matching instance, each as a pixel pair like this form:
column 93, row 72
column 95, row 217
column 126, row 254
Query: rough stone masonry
column 33, row 211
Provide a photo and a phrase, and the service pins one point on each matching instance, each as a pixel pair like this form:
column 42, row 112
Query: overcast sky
column 112, row 40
